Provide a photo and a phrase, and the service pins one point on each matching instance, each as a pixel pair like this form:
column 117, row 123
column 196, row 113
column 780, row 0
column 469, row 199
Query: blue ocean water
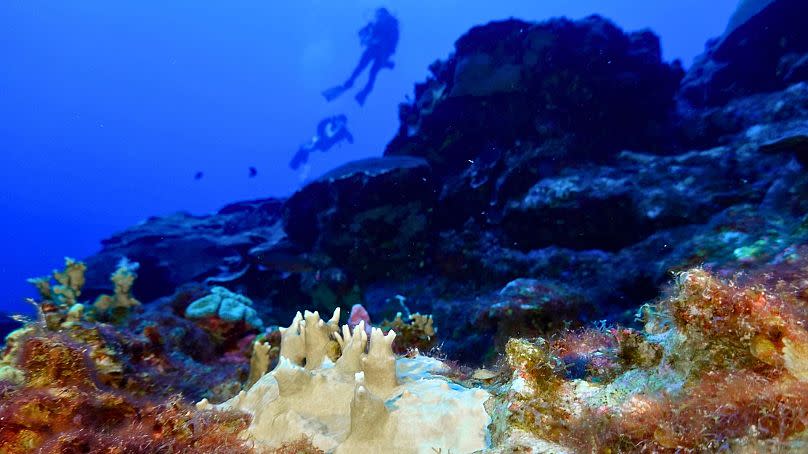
column 107, row 111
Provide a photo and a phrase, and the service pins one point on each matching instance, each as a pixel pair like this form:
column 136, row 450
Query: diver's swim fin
column 299, row 159
column 361, row 97
column 334, row 92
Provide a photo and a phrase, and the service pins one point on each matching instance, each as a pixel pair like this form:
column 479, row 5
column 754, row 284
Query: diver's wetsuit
column 380, row 39
column 330, row 131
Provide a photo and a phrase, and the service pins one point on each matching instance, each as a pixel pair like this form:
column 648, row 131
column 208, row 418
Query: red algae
column 61, row 407
column 741, row 354
column 718, row 409
column 730, row 325
column 300, row 446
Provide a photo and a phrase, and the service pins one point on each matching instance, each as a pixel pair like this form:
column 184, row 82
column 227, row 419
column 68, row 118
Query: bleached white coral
column 367, row 401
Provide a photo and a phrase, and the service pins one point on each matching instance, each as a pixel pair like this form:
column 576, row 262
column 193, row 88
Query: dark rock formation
column 752, row 117
column 534, row 183
column 764, row 49
column 206, row 245
column 586, row 85
column 371, row 216
column 611, row 207
column 794, row 140
column 181, row 248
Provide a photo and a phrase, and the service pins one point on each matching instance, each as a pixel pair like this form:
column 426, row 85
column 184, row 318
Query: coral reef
column 545, row 183
column 61, row 305
column 418, row 333
column 368, row 402
column 415, row 334
column 70, row 282
column 527, row 154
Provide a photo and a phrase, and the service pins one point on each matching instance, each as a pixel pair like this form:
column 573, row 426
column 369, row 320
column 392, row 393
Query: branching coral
column 117, row 305
column 415, row 332
column 259, row 362
column 150, row 353
column 58, row 300
column 70, row 282
column 60, row 303
column 367, row 400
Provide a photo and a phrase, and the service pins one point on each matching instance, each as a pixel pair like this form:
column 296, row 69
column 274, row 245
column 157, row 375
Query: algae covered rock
column 53, row 402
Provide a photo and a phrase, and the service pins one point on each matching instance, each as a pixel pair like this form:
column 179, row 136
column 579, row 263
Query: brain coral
column 226, row 305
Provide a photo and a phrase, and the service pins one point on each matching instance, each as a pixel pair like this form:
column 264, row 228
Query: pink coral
column 359, row 314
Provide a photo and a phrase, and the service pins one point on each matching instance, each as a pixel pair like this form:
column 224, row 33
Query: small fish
column 253, row 172
column 484, row 375
column 198, row 175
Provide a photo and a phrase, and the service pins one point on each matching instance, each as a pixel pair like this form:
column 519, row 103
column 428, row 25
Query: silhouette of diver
column 330, row 131
column 380, row 38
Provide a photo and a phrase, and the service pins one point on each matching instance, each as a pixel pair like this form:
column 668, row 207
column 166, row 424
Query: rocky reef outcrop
column 556, row 153
column 586, row 84
column 764, row 49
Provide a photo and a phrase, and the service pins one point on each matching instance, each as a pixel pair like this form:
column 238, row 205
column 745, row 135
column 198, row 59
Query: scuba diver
column 330, row 131
column 380, row 38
